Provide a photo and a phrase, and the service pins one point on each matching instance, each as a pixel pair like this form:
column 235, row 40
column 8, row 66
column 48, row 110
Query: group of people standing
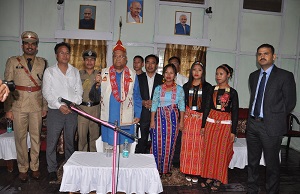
column 204, row 116
column 207, row 118
column 172, row 108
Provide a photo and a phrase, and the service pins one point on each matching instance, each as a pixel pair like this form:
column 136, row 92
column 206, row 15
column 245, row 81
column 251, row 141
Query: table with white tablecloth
column 8, row 146
column 92, row 171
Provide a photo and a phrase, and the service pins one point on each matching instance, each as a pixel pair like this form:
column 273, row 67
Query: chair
column 291, row 133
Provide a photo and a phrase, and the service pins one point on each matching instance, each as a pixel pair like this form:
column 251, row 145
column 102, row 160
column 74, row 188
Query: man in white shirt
column 133, row 16
column 180, row 79
column 61, row 80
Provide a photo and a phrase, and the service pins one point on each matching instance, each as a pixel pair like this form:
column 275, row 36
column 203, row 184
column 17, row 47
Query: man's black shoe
column 52, row 177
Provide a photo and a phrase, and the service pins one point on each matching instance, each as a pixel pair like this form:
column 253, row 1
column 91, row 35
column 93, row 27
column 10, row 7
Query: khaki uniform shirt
column 24, row 101
column 87, row 83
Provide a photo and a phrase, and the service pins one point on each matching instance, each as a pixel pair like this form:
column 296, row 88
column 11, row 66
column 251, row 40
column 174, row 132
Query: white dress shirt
column 56, row 84
column 150, row 83
column 181, row 79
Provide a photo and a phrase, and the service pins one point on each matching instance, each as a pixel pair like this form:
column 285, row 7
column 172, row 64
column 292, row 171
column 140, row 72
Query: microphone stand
column 116, row 130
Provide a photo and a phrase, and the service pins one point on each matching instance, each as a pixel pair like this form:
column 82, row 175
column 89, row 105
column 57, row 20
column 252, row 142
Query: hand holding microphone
column 65, row 107
column 98, row 79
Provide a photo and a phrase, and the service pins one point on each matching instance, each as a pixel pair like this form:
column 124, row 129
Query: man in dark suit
column 273, row 97
column 182, row 27
column 147, row 81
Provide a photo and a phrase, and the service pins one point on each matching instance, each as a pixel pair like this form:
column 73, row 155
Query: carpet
column 177, row 179
column 59, row 173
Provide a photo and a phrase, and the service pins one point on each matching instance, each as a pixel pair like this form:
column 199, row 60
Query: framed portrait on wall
column 135, row 11
column 183, row 23
column 87, row 15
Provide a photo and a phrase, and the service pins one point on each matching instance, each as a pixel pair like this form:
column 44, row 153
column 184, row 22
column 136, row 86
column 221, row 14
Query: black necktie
column 260, row 94
column 29, row 64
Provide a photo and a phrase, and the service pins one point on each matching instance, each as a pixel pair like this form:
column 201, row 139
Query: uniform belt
column 257, row 118
column 89, row 104
column 28, row 88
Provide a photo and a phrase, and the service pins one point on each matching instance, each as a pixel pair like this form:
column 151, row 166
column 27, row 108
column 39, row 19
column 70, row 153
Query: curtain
column 78, row 46
column 187, row 54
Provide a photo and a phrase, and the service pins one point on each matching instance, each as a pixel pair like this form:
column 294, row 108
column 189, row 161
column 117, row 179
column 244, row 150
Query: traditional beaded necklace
column 164, row 90
column 195, row 92
column 223, row 100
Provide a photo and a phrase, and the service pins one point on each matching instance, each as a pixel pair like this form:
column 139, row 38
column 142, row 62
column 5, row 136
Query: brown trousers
column 24, row 122
column 86, row 126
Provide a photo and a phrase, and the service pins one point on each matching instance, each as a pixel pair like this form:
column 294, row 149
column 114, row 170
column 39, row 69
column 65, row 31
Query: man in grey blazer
column 273, row 97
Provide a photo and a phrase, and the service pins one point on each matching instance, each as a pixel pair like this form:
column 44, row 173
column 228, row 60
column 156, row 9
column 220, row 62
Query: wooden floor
column 290, row 179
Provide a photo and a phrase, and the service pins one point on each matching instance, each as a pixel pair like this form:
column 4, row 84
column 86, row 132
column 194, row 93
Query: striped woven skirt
column 218, row 149
column 191, row 143
column 164, row 136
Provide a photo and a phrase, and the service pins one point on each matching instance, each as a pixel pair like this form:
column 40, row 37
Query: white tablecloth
column 239, row 159
column 92, row 171
column 8, row 146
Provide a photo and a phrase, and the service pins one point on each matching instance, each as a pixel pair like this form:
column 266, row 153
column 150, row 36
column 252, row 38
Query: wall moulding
column 181, row 40
column 83, row 34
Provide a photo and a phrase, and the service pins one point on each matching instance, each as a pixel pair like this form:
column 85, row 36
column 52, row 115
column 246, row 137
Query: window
column 263, row 5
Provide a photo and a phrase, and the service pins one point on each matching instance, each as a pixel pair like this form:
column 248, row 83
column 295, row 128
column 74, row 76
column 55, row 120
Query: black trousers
column 259, row 141
column 142, row 146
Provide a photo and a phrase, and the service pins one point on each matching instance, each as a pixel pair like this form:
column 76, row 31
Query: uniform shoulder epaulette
column 13, row 57
column 45, row 61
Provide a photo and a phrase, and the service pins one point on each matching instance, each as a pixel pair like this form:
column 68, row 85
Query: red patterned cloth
column 191, row 143
column 218, row 149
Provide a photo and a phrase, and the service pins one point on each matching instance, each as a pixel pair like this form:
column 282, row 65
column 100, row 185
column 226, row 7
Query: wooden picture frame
column 183, row 21
column 87, row 17
column 135, row 11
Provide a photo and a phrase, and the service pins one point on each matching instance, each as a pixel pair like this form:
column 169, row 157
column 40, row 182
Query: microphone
column 10, row 84
column 67, row 102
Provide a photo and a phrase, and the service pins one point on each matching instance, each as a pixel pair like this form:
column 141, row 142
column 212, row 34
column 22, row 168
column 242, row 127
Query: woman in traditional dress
column 195, row 91
column 220, row 120
column 167, row 114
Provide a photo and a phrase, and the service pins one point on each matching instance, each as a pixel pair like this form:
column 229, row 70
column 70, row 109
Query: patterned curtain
column 80, row 45
column 187, row 54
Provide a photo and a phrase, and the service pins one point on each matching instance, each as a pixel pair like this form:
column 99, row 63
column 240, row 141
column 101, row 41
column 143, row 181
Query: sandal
column 188, row 178
column 168, row 174
column 195, row 180
column 216, row 186
column 206, row 184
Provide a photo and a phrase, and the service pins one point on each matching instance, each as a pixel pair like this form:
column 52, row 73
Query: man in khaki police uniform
column 26, row 105
column 85, row 125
